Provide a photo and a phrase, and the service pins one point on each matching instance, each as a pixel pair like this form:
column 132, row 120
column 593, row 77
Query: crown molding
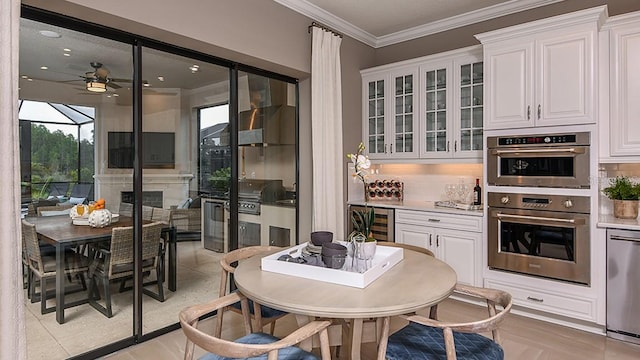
column 326, row 18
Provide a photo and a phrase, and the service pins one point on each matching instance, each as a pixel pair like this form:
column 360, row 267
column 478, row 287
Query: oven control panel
column 577, row 204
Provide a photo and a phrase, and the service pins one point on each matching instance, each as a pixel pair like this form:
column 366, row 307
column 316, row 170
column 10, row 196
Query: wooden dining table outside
column 60, row 232
column 416, row 282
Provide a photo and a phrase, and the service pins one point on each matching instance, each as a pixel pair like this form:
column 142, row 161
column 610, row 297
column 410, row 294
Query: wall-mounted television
column 158, row 150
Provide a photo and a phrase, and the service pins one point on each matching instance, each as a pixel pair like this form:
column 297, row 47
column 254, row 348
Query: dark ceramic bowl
column 321, row 237
column 334, row 249
column 334, row 261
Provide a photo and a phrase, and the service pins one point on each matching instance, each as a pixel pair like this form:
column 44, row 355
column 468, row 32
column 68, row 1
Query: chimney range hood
column 270, row 121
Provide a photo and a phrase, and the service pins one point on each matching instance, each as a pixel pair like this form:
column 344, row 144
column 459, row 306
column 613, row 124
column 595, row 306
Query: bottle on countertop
column 477, row 193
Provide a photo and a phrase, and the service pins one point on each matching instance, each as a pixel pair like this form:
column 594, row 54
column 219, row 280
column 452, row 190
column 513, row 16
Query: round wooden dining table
column 416, row 282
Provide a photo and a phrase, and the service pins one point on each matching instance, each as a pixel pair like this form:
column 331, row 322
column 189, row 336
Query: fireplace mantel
column 175, row 187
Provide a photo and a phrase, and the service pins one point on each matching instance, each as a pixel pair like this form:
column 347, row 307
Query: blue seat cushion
column 265, row 311
column 288, row 353
column 417, row 342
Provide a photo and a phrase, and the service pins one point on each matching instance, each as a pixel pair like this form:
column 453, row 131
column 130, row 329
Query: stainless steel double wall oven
column 540, row 232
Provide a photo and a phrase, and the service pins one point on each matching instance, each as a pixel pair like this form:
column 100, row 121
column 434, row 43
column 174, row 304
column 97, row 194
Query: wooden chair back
column 214, row 344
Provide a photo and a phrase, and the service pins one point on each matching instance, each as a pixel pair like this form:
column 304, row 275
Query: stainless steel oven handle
column 579, row 150
column 541, row 218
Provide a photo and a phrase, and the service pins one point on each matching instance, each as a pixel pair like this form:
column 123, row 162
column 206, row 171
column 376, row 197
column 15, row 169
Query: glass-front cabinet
column 429, row 108
column 470, row 82
column 389, row 106
column 434, row 80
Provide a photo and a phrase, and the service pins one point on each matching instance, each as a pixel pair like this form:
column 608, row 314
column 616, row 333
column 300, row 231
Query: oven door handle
column 577, row 221
column 572, row 150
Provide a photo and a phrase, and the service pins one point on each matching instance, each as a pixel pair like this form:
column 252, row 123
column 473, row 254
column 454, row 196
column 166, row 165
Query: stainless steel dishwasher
column 623, row 285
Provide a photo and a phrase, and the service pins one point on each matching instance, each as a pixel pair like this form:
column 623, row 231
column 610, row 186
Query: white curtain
column 326, row 132
column 12, row 320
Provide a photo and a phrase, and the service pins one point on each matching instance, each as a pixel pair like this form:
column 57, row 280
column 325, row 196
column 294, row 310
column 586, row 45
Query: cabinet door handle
column 447, row 146
column 535, row 299
column 385, row 148
column 430, row 240
column 437, row 240
column 433, row 220
column 539, row 111
column 455, row 146
column 391, row 148
column 529, row 112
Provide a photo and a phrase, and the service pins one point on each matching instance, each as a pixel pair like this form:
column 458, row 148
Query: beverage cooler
column 213, row 225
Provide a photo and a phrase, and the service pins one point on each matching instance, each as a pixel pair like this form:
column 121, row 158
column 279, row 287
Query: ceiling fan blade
column 111, row 84
column 120, row 80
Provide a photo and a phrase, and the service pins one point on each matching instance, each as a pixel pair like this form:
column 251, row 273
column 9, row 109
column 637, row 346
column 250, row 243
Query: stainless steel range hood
column 270, row 121
column 272, row 125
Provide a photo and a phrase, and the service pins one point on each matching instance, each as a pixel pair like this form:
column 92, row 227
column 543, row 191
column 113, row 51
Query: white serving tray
column 386, row 257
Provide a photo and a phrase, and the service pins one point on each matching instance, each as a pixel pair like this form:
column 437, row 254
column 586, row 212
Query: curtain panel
column 326, row 132
column 12, row 320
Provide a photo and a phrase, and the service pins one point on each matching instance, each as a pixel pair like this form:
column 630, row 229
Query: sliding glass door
column 161, row 134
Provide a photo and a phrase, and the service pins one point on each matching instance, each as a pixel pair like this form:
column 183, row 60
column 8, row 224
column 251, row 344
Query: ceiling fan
column 98, row 79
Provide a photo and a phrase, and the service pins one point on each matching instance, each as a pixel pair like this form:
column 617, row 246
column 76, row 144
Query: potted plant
column 625, row 195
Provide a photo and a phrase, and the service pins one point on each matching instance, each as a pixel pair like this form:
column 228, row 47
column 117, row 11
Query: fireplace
column 149, row 198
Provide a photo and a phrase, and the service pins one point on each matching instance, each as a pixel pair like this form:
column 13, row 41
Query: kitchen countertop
column 418, row 205
column 609, row 221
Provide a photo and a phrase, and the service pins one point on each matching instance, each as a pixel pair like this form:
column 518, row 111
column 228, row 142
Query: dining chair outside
column 426, row 338
column 256, row 345
column 43, row 266
column 54, row 210
column 117, row 263
column 263, row 315
column 125, row 209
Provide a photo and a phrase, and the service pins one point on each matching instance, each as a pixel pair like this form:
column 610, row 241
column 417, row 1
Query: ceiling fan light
column 96, row 86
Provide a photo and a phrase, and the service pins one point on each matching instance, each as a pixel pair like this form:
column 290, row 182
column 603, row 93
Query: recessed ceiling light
column 66, row 54
column 49, row 34
column 146, row 84
column 161, row 78
column 115, row 95
column 44, row 68
column 194, row 68
column 24, row 76
column 29, row 79
column 66, row 50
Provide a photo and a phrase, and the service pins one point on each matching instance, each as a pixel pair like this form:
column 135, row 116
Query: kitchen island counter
column 417, row 205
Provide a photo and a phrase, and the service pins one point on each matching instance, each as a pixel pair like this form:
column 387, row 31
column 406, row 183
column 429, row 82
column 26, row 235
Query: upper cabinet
column 429, row 108
column 623, row 71
column 390, row 124
column 543, row 73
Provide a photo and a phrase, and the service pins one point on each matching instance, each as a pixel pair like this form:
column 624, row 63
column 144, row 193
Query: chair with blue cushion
column 262, row 315
column 425, row 338
column 253, row 345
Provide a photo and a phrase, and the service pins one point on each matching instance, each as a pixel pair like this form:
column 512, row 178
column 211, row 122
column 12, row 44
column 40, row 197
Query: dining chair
column 433, row 310
column 61, row 209
column 117, row 263
column 425, row 338
column 42, row 266
column 256, row 345
column 262, row 315
column 125, row 209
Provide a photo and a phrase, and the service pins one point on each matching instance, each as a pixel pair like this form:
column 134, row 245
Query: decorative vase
column 100, row 218
column 625, row 209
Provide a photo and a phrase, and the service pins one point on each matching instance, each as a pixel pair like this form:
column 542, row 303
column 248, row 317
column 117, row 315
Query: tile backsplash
column 607, row 172
column 421, row 181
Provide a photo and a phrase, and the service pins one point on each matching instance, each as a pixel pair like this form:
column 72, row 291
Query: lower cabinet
column 460, row 249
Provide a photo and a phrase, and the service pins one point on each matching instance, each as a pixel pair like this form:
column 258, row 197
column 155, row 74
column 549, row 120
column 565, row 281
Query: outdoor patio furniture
column 118, row 263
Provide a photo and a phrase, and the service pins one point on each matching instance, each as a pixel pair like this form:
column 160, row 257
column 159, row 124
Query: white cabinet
column 451, row 99
column 390, row 124
column 426, row 108
column 454, row 239
column 624, row 105
column 543, row 73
